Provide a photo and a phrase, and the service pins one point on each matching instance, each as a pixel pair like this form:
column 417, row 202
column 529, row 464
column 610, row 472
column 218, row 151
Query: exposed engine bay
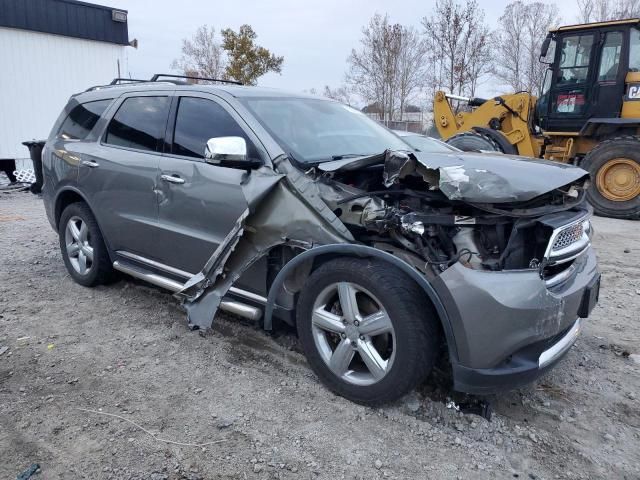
column 439, row 213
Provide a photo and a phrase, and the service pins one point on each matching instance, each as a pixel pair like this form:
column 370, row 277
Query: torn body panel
column 284, row 210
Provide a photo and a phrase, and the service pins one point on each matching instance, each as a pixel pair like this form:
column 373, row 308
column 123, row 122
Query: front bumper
column 521, row 369
column 510, row 327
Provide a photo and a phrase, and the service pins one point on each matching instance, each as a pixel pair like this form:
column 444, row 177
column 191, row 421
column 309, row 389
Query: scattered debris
column 3, row 349
column 224, row 423
column 480, row 407
column 618, row 350
column 452, row 405
column 29, row 472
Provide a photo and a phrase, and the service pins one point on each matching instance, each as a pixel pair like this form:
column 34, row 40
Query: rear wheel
column 474, row 142
column 367, row 330
column 82, row 246
column 614, row 166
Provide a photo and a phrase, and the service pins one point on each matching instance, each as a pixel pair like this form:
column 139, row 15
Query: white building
column 49, row 50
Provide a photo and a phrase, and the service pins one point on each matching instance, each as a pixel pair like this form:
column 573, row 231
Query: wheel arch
column 499, row 138
column 64, row 198
column 321, row 254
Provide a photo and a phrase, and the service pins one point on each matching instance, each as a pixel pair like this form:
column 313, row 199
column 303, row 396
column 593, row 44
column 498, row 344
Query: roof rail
column 158, row 77
column 190, row 77
column 117, row 81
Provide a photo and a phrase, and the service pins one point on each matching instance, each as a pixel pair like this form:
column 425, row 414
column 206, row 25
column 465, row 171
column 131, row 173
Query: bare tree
column 601, row 10
column 372, row 68
column 389, row 67
column 458, row 41
column 521, row 31
column 411, row 66
column 202, row 55
column 341, row 94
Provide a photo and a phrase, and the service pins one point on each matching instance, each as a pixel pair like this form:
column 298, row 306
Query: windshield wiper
column 351, row 155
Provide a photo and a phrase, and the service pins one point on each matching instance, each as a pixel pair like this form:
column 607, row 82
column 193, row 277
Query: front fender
column 364, row 252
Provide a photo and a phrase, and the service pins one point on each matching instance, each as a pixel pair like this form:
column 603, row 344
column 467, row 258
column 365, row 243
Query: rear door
column 66, row 148
column 198, row 203
column 119, row 177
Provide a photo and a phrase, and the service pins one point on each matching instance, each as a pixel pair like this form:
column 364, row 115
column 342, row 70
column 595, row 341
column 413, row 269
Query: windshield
column 316, row 130
column 426, row 144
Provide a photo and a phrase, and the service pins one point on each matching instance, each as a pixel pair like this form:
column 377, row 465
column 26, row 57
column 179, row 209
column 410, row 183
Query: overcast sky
column 314, row 36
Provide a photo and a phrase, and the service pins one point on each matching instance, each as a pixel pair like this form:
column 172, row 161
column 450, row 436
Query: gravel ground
column 255, row 409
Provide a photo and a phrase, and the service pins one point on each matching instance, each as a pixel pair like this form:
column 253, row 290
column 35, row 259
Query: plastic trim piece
column 559, row 348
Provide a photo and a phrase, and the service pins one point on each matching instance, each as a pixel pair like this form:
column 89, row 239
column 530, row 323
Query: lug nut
column 356, row 323
column 343, row 335
column 361, row 337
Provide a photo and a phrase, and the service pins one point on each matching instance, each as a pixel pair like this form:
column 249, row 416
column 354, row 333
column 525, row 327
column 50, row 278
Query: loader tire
column 614, row 167
column 474, row 142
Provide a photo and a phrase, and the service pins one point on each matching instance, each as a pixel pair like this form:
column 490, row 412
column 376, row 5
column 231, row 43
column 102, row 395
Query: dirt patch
column 125, row 349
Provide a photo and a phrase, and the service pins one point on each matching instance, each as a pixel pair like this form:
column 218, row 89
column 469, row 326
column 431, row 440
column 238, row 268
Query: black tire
column 474, row 142
column 100, row 270
column 627, row 147
column 414, row 321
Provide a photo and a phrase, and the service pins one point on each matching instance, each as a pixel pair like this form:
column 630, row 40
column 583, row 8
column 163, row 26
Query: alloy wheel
column 78, row 245
column 353, row 333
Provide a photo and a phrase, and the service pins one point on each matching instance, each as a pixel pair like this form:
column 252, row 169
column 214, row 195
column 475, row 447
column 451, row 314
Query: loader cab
column 588, row 65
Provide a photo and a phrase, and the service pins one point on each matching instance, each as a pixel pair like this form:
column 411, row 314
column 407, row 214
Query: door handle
column 172, row 179
column 89, row 163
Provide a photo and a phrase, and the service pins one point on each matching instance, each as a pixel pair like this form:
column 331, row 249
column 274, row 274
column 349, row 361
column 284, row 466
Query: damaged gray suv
column 294, row 208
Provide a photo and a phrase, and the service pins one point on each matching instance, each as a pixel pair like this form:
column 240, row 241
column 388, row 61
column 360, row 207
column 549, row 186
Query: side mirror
column 228, row 152
column 544, row 49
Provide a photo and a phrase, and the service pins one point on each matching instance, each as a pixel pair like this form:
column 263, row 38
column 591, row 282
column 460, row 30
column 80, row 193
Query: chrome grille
column 568, row 236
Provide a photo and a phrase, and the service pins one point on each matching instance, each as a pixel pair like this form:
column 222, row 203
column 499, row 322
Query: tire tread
column 593, row 156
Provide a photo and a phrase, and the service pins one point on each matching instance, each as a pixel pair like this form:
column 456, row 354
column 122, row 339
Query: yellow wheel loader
column 588, row 113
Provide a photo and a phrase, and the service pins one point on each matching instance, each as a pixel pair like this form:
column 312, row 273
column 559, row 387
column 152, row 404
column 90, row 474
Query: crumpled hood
column 497, row 178
column 473, row 177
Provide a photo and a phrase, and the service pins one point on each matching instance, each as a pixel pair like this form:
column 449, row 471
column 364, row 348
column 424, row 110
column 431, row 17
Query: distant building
column 413, row 119
column 50, row 49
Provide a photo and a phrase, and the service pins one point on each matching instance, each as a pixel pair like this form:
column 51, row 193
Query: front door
column 570, row 93
column 198, row 203
column 120, row 174
column 609, row 85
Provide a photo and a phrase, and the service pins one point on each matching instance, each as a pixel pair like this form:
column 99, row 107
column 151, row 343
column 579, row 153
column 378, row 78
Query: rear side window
column 197, row 121
column 82, row 119
column 139, row 123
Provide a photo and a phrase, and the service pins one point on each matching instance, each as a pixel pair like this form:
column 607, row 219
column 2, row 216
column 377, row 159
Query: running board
column 230, row 306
